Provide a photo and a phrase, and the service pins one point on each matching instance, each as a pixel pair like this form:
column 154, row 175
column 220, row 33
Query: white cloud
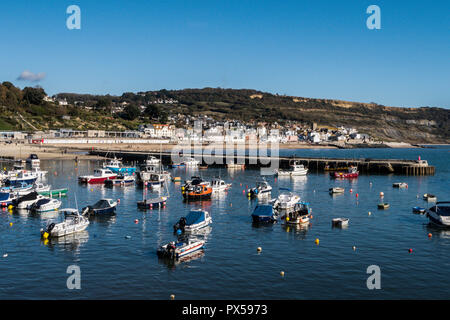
column 30, row 76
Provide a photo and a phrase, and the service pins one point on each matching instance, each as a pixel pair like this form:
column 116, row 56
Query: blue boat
column 115, row 165
column 23, row 177
column 176, row 165
column 418, row 210
column 6, row 198
column 101, row 207
column 264, row 213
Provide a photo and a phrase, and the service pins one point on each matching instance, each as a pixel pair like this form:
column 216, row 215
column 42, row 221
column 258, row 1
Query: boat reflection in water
column 72, row 242
column 297, row 229
column 183, row 261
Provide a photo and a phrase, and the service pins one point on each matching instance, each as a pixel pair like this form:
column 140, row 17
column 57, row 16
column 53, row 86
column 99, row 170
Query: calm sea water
column 113, row 267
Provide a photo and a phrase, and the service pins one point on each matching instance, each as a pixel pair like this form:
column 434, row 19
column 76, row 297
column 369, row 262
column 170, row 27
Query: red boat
column 351, row 173
column 99, row 176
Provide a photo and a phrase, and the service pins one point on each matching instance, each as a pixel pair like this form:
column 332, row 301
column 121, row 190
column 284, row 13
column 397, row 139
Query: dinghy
column 101, row 207
column 181, row 248
column 45, row 205
column 195, row 220
column 336, row 190
column 340, row 222
column 429, row 197
column 439, row 214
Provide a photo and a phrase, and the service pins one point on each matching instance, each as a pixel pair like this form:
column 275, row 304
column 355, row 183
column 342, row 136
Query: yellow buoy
column 172, row 297
column 10, row 207
column 10, row 224
column 282, row 273
column 287, row 218
column 45, row 235
column 317, row 241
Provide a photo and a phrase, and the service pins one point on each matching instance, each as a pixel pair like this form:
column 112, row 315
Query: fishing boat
column 19, row 189
column 40, row 187
column 99, row 176
column 121, row 180
column 183, row 247
column 190, row 162
column 33, row 159
column 295, row 169
column 351, row 173
column 439, row 214
column 73, row 222
column 23, row 176
column 45, row 205
column 116, row 166
column 400, row 185
column 300, row 214
column 340, row 222
column 429, row 197
column 6, row 198
column 101, row 207
column 286, row 201
column 383, row 205
column 419, row 209
column 195, row 220
column 336, row 190
column 200, row 192
column 219, row 185
column 54, row 192
column 262, row 189
column 264, row 213
column 190, row 184
column 26, row 201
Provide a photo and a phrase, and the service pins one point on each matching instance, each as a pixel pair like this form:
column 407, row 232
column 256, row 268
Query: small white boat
column 400, row 185
column 429, row 197
column 439, row 214
column 195, row 220
column 295, row 169
column 39, row 173
column 73, row 222
column 262, row 189
column 337, row 190
column 286, row 201
column 152, row 161
column 26, row 201
column 300, row 214
column 176, row 250
column 340, row 222
column 218, row 185
column 190, row 162
column 45, row 205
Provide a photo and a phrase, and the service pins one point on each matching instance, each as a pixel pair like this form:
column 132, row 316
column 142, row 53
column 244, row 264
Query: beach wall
column 104, row 141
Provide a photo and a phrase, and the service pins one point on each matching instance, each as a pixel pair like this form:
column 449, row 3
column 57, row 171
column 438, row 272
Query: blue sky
column 320, row 49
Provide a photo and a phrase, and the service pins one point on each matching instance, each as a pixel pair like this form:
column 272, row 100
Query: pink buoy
column 136, row 221
column 118, row 200
column 351, row 190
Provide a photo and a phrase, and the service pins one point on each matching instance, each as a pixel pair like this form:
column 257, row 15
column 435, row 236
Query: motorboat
column 351, row 173
column 99, row 176
column 336, row 190
column 6, row 198
column 419, row 209
column 33, row 159
column 218, row 185
column 429, row 197
column 195, row 220
column 286, row 201
column 121, row 180
column 262, row 189
column 152, row 203
column 26, row 201
column 101, row 207
column 190, row 184
column 116, row 166
column 40, row 187
column 340, row 222
column 19, row 189
column 73, row 222
column 201, row 191
column 300, row 214
column 180, row 248
column 45, row 205
column 383, row 205
column 439, row 214
column 264, row 213
column 155, row 179
column 23, row 176
column 190, row 162
column 295, row 169
column 152, row 161
column 400, row 185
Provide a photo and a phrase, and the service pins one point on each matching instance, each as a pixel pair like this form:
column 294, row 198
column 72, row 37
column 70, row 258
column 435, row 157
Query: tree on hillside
column 34, row 95
column 153, row 111
column 103, row 104
column 131, row 112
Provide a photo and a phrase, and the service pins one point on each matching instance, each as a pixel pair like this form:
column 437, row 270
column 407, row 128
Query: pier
column 364, row 165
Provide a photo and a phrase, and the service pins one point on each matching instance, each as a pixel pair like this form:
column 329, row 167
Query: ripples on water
column 229, row 267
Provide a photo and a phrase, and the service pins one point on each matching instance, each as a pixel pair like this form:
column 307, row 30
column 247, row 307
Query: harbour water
column 115, row 267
